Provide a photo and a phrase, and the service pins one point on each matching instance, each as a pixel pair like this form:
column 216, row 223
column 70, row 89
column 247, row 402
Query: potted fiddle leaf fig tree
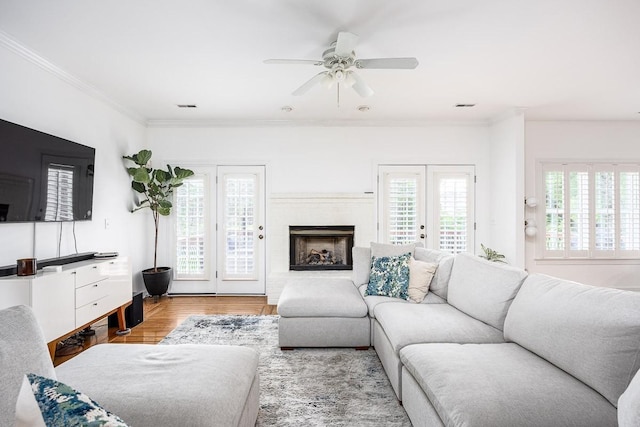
column 156, row 187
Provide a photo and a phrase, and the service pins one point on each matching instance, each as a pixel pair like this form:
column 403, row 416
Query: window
column 191, row 229
column 402, row 208
column 591, row 210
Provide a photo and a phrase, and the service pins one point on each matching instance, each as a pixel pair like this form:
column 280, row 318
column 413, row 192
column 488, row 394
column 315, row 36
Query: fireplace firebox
column 320, row 247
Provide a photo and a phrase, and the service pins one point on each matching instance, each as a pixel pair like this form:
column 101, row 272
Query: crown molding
column 207, row 123
column 35, row 58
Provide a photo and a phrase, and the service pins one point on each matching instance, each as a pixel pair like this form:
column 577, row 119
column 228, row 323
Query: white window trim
column 567, row 256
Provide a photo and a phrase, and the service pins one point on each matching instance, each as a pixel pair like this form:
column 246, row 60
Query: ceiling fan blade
column 293, row 61
column 387, row 63
column 310, row 83
column 360, row 86
column 345, row 44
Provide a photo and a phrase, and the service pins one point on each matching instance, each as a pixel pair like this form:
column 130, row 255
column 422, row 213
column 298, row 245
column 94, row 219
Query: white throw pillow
column 420, row 275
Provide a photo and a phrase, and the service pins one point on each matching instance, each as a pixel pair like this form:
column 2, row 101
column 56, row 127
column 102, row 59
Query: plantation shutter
column 453, row 208
column 239, row 224
column 59, row 193
column 402, row 207
column 191, row 229
column 592, row 210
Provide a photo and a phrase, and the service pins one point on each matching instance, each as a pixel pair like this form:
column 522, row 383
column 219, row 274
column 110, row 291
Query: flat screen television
column 43, row 177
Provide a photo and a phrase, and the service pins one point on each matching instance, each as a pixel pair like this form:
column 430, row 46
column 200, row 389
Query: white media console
column 67, row 301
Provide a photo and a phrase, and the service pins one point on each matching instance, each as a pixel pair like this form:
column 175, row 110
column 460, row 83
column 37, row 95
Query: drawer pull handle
column 95, row 286
column 95, row 266
column 95, row 304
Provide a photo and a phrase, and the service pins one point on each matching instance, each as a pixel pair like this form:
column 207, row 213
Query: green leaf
column 143, row 157
column 161, row 176
column 165, row 204
column 138, row 186
column 141, row 175
column 182, row 173
column 164, row 211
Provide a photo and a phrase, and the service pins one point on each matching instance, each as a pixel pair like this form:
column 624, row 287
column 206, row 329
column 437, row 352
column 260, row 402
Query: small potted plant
column 491, row 255
column 156, row 186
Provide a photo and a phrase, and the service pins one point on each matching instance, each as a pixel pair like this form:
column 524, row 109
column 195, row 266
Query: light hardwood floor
column 163, row 316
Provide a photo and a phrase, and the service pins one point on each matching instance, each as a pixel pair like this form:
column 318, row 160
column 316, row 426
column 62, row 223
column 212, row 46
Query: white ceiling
column 557, row 59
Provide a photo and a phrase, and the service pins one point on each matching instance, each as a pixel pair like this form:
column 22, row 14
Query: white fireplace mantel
column 285, row 209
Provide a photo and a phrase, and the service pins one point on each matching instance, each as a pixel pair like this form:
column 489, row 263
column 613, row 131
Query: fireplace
column 320, row 247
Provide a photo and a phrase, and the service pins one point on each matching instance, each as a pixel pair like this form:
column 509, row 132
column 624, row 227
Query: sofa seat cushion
column 321, row 298
column 406, row 324
column 483, row 289
column 502, row 385
column 372, row 301
column 170, row 385
column 564, row 322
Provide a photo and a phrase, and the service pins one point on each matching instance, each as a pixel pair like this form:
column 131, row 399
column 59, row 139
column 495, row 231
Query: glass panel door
column 241, row 230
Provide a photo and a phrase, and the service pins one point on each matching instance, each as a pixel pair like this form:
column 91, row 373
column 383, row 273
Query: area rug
column 310, row 387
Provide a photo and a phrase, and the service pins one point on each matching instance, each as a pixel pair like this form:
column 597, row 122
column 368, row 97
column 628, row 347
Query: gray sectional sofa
column 145, row 385
column 491, row 345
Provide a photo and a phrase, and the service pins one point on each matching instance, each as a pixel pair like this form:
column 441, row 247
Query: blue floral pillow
column 389, row 276
column 61, row 405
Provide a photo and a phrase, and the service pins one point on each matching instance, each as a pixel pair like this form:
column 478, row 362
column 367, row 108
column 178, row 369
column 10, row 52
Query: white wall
column 38, row 99
column 596, row 141
column 507, row 189
column 335, row 159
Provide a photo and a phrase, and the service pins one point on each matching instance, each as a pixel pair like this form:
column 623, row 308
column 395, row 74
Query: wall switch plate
column 107, row 223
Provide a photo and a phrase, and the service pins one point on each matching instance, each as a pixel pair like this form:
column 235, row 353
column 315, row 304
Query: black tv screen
column 43, row 177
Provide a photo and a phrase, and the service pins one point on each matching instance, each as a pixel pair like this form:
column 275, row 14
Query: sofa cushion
column 22, row 350
column 629, row 405
column 47, row 402
column 406, row 324
column 361, row 258
column 502, row 385
column 420, row 277
column 373, row 300
column 483, row 289
column 565, row 322
column 321, row 298
column 166, row 385
column 385, row 249
column 389, row 276
column 440, row 283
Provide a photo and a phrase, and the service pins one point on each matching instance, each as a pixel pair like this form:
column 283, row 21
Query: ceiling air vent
column 187, row 106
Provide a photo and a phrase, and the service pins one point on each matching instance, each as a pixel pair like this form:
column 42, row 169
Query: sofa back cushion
column 440, row 282
column 592, row 333
column 22, row 350
column 483, row 289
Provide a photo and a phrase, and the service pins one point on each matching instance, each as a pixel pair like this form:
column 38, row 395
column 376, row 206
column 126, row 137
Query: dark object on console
column 27, row 267
column 133, row 314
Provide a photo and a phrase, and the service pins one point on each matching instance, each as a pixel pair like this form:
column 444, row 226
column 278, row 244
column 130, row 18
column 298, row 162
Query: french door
column 427, row 203
column 220, row 231
column 241, row 230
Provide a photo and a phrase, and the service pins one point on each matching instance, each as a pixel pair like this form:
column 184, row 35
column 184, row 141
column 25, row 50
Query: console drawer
column 92, row 292
column 91, row 311
column 89, row 274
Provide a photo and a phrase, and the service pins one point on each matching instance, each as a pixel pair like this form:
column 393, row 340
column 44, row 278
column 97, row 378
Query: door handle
column 422, row 236
column 260, row 237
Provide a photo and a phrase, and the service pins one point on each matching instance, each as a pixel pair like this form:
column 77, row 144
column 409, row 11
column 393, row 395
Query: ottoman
column 321, row 312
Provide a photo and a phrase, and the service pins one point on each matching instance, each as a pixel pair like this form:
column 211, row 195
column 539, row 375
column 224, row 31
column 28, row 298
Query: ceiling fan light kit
column 338, row 60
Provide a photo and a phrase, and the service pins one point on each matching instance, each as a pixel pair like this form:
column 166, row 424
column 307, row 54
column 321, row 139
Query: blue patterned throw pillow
column 389, row 276
column 61, row 405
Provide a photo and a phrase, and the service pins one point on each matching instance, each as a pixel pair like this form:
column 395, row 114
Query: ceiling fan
column 338, row 61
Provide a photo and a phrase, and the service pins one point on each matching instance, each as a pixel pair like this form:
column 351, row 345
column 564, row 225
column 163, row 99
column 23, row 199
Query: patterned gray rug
column 310, row 387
